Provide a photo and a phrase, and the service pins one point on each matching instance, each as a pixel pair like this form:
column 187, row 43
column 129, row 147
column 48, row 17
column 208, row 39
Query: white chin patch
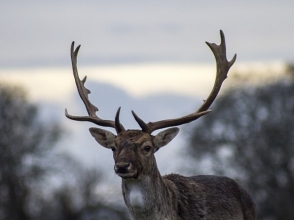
column 136, row 196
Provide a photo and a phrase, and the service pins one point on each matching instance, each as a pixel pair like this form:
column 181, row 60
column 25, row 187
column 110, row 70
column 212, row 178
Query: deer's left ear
column 164, row 137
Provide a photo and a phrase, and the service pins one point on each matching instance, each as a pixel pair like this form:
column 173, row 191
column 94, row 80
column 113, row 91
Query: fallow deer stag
column 147, row 194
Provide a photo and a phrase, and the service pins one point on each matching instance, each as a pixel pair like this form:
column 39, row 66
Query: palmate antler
column 223, row 66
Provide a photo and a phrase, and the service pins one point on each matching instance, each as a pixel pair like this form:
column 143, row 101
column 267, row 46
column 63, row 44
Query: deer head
column 133, row 150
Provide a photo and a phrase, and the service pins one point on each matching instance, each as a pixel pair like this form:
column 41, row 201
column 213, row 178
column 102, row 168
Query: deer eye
column 147, row 148
column 112, row 148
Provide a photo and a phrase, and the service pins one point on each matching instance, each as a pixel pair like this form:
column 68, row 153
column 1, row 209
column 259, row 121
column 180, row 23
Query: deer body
column 147, row 194
column 175, row 197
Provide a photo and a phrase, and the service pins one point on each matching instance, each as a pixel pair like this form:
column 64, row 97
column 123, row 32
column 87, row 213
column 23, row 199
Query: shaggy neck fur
column 149, row 198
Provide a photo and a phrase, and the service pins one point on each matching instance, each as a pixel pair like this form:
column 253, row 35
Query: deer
column 147, row 194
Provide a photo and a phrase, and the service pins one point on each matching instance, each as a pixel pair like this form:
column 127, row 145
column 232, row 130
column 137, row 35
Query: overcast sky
column 39, row 33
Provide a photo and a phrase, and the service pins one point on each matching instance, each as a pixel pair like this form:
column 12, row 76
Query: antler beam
column 223, row 66
column 83, row 92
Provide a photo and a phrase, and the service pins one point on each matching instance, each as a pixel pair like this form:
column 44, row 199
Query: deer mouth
column 128, row 175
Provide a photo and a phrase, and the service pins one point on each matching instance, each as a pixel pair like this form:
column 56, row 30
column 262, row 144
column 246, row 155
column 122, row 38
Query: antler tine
column 83, row 92
column 223, row 66
column 152, row 126
column 119, row 128
column 222, row 69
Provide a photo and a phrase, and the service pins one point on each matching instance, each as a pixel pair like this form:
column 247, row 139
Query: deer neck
column 149, row 197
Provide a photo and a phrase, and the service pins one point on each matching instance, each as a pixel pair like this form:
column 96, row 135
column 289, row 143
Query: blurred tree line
column 249, row 136
column 29, row 164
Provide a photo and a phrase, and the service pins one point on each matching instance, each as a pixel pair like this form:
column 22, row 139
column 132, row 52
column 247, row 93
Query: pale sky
column 39, row 33
column 138, row 80
column 140, row 46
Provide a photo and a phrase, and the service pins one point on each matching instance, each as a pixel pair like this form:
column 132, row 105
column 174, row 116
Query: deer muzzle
column 125, row 170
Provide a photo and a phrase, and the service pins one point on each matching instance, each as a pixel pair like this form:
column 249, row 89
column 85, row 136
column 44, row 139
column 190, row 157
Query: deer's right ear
column 103, row 137
column 164, row 137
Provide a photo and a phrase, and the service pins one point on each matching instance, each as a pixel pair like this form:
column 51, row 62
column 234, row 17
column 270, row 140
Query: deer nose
column 121, row 166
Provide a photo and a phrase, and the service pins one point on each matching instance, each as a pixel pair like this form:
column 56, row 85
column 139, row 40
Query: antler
column 223, row 66
column 83, row 92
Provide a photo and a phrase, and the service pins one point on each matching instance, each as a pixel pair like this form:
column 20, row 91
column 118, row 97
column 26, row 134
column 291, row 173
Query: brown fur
column 148, row 195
